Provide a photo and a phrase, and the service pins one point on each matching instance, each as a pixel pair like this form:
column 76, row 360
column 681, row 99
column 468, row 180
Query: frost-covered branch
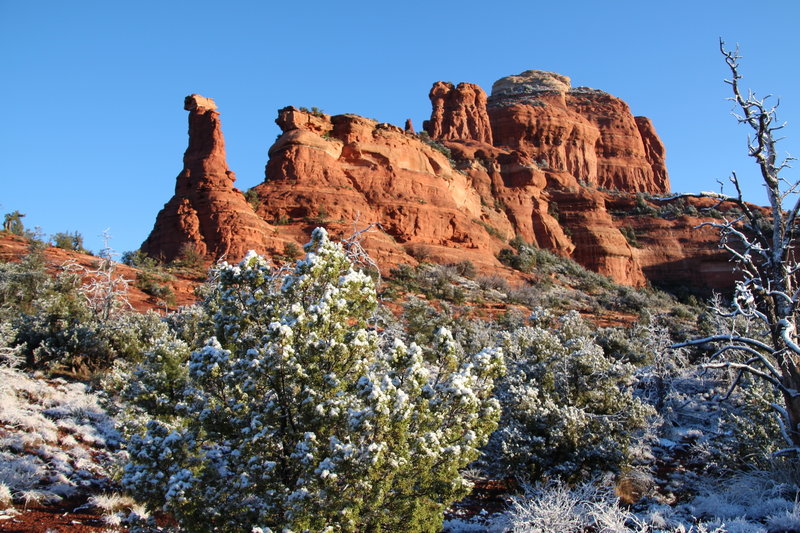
column 726, row 338
column 762, row 245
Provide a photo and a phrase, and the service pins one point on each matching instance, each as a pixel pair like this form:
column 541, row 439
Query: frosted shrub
column 5, row 496
column 297, row 415
column 556, row 508
column 158, row 382
column 56, row 442
column 568, row 410
column 10, row 355
column 750, row 415
column 53, row 324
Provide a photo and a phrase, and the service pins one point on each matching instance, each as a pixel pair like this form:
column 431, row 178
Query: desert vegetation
column 318, row 408
column 372, row 417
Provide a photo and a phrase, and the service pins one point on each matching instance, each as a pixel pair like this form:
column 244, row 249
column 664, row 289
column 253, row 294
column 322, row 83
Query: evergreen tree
column 298, row 415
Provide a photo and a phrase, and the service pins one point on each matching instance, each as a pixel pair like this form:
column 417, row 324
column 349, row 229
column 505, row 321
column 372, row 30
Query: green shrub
column 642, row 207
column 139, row 259
column 23, row 285
column 291, row 251
column 69, row 241
column 156, row 283
column 552, row 210
column 151, row 279
column 630, row 235
column 528, row 258
column 61, row 324
column 297, row 414
column 491, row 230
column 320, row 219
column 12, row 223
column 189, row 258
column 316, row 111
column 753, row 420
column 160, row 379
column 568, row 410
column 65, row 336
column 465, row 268
column 426, row 138
column 253, row 199
column 420, row 252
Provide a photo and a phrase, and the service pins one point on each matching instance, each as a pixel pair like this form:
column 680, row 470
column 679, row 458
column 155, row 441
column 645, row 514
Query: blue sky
column 92, row 92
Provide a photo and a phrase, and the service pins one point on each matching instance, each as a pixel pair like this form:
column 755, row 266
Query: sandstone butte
column 570, row 170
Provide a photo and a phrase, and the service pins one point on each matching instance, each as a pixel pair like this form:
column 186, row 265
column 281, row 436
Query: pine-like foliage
column 298, row 415
column 568, row 409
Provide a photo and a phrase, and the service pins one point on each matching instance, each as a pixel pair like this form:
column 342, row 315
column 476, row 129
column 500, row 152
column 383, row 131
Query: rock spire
column 207, row 215
column 458, row 113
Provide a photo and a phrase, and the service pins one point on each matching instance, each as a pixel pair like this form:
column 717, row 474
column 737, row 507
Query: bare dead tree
column 762, row 339
column 355, row 250
column 106, row 291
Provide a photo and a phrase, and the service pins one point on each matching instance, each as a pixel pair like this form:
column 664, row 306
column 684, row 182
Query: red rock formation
column 345, row 169
column 672, row 250
column 552, row 210
column 584, row 132
column 623, row 161
column 207, row 213
column 458, row 113
column 655, row 152
column 536, row 160
column 599, row 244
column 553, row 147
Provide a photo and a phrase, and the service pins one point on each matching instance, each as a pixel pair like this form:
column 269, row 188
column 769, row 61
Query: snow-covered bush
column 57, row 323
column 557, row 508
column 22, row 283
column 65, row 336
column 298, row 415
column 753, row 425
column 156, row 385
column 568, row 410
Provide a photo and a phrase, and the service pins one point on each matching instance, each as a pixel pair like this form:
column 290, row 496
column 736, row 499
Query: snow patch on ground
column 56, row 440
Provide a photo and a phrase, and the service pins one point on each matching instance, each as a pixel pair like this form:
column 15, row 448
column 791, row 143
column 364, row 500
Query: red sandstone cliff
column 207, row 213
column 585, row 132
column 345, row 170
column 559, row 166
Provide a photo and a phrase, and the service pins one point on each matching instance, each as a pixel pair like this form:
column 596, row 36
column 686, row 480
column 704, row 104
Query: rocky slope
column 182, row 286
column 567, row 169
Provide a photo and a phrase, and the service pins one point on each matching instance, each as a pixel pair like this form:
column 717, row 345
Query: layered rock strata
column 348, row 171
column 567, row 169
column 585, row 132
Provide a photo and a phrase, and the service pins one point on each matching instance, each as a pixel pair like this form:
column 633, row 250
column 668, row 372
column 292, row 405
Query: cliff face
column 559, row 166
column 585, row 132
column 344, row 169
column 207, row 214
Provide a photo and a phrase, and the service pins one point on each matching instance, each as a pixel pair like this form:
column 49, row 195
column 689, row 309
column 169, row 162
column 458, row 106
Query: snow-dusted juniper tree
column 568, row 409
column 763, row 245
column 299, row 416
